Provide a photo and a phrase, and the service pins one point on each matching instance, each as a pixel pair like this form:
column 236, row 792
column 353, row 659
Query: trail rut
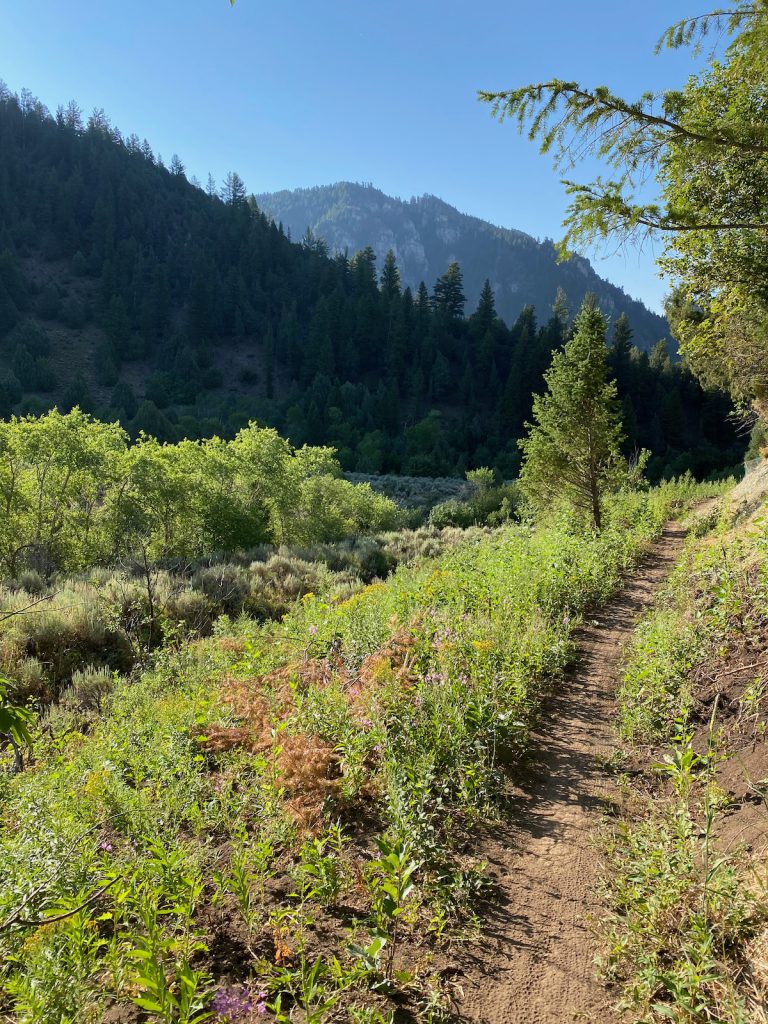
column 535, row 964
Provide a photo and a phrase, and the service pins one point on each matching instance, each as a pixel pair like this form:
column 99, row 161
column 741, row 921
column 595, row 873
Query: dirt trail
column 535, row 964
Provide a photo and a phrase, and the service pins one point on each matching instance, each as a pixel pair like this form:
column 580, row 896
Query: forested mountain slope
column 139, row 296
column 427, row 234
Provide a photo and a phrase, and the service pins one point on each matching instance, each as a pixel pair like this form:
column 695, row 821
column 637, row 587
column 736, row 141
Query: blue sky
column 305, row 93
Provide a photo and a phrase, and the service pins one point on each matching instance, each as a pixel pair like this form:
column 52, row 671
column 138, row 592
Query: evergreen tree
column 9, row 314
column 233, row 190
column 659, row 357
column 622, row 337
column 269, row 364
column 78, row 395
column 573, row 448
column 484, row 316
column 448, row 298
column 124, row 399
column 560, row 307
column 390, row 277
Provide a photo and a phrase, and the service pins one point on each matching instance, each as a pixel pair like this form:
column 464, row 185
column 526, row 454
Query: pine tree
column 233, row 190
column 390, row 277
column 620, row 353
column 485, row 315
column 8, row 312
column 573, row 449
column 448, row 297
column 659, row 357
column 560, row 307
column 622, row 337
column 124, row 399
column 363, row 270
column 269, row 364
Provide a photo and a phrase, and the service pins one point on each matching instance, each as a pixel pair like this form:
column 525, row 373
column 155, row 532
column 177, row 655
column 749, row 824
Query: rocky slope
column 426, row 233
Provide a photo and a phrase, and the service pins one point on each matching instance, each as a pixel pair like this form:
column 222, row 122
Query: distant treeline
column 182, row 311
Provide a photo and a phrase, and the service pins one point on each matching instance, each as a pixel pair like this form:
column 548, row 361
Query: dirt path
column 535, row 965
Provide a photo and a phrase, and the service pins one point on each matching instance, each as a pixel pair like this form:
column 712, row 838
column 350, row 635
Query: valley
column 383, row 592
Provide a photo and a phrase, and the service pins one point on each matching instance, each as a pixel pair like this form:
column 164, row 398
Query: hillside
column 133, row 293
column 426, row 235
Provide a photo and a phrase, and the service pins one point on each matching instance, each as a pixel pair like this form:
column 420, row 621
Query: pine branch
column 683, row 33
column 586, row 109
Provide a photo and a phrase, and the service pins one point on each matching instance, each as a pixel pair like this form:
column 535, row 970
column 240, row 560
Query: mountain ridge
column 426, row 233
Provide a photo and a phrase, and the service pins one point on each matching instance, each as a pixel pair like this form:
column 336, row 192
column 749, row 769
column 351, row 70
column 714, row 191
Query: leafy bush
column 77, row 495
column 487, row 503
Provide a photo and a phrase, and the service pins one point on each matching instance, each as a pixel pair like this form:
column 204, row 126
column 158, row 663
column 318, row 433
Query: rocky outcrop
column 426, row 234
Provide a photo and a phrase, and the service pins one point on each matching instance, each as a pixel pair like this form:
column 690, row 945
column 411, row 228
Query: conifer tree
column 485, row 315
column 449, row 297
column 390, row 277
column 572, row 453
column 233, row 191
column 622, row 337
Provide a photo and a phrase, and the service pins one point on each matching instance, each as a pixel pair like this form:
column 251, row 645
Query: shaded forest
column 426, row 234
column 183, row 311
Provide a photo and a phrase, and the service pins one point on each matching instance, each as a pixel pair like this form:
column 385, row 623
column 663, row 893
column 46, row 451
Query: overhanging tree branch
column 683, row 33
column 583, row 110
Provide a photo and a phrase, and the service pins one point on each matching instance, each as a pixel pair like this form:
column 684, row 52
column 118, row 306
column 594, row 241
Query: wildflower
column 313, row 630
column 106, row 847
column 237, row 1003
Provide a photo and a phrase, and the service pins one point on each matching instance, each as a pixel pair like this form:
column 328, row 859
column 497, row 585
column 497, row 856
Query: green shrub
column 90, row 687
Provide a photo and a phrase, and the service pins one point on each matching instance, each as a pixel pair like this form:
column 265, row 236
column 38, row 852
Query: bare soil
column 536, row 963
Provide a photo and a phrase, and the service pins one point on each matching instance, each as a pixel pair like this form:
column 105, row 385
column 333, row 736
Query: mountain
column 130, row 291
column 426, row 234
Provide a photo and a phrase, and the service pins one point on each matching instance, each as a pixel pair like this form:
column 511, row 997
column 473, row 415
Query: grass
column 280, row 817
column 687, row 912
column 112, row 618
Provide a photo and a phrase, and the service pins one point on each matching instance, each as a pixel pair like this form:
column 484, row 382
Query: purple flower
column 106, row 847
column 237, row 1003
column 313, row 630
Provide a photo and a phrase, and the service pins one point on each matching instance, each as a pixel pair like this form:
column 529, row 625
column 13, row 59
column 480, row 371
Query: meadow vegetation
column 279, row 817
column 687, row 931
column 114, row 617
